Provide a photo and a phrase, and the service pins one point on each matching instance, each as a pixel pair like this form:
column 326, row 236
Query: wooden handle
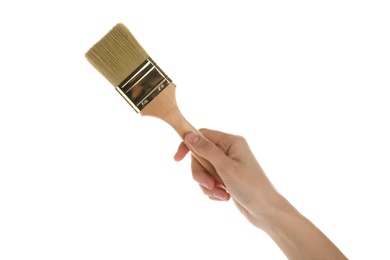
column 164, row 106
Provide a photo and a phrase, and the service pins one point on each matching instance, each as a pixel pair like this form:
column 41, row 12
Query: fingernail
column 220, row 195
column 192, row 138
column 205, row 184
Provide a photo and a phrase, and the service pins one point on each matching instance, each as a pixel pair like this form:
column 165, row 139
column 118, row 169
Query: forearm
column 298, row 237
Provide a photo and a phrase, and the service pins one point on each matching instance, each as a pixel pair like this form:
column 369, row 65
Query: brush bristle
column 117, row 54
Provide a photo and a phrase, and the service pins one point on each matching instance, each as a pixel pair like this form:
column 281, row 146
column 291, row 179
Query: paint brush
column 150, row 92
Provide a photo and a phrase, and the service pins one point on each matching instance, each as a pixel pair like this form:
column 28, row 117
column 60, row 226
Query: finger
column 200, row 175
column 182, row 151
column 208, row 150
column 220, row 194
column 216, row 193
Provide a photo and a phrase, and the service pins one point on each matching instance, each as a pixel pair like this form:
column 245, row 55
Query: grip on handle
column 206, row 164
column 164, row 107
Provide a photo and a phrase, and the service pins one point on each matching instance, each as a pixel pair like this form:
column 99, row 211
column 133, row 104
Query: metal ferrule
column 144, row 84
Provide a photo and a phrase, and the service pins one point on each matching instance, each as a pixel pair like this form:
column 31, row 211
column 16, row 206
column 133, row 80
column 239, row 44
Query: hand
column 244, row 179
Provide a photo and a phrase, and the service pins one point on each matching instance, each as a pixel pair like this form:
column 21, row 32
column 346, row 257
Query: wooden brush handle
column 164, row 106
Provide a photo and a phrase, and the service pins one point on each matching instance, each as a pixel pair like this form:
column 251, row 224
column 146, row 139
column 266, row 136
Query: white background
column 82, row 176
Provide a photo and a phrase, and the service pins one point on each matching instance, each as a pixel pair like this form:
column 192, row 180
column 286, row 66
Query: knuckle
column 241, row 140
column 206, row 146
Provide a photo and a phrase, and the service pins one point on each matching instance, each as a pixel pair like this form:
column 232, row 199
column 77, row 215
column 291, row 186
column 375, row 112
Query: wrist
column 273, row 211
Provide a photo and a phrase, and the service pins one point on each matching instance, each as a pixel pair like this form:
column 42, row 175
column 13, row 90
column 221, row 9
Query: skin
column 254, row 195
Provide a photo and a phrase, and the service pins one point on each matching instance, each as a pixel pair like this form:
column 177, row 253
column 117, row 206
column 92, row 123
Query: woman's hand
column 244, row 179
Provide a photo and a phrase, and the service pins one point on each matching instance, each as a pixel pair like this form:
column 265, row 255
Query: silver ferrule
column 143, row 85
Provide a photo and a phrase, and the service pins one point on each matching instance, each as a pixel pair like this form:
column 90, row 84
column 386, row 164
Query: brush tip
column 117, row 54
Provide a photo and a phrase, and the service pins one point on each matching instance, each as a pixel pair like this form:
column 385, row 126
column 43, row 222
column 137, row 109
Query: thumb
column 206, row 149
